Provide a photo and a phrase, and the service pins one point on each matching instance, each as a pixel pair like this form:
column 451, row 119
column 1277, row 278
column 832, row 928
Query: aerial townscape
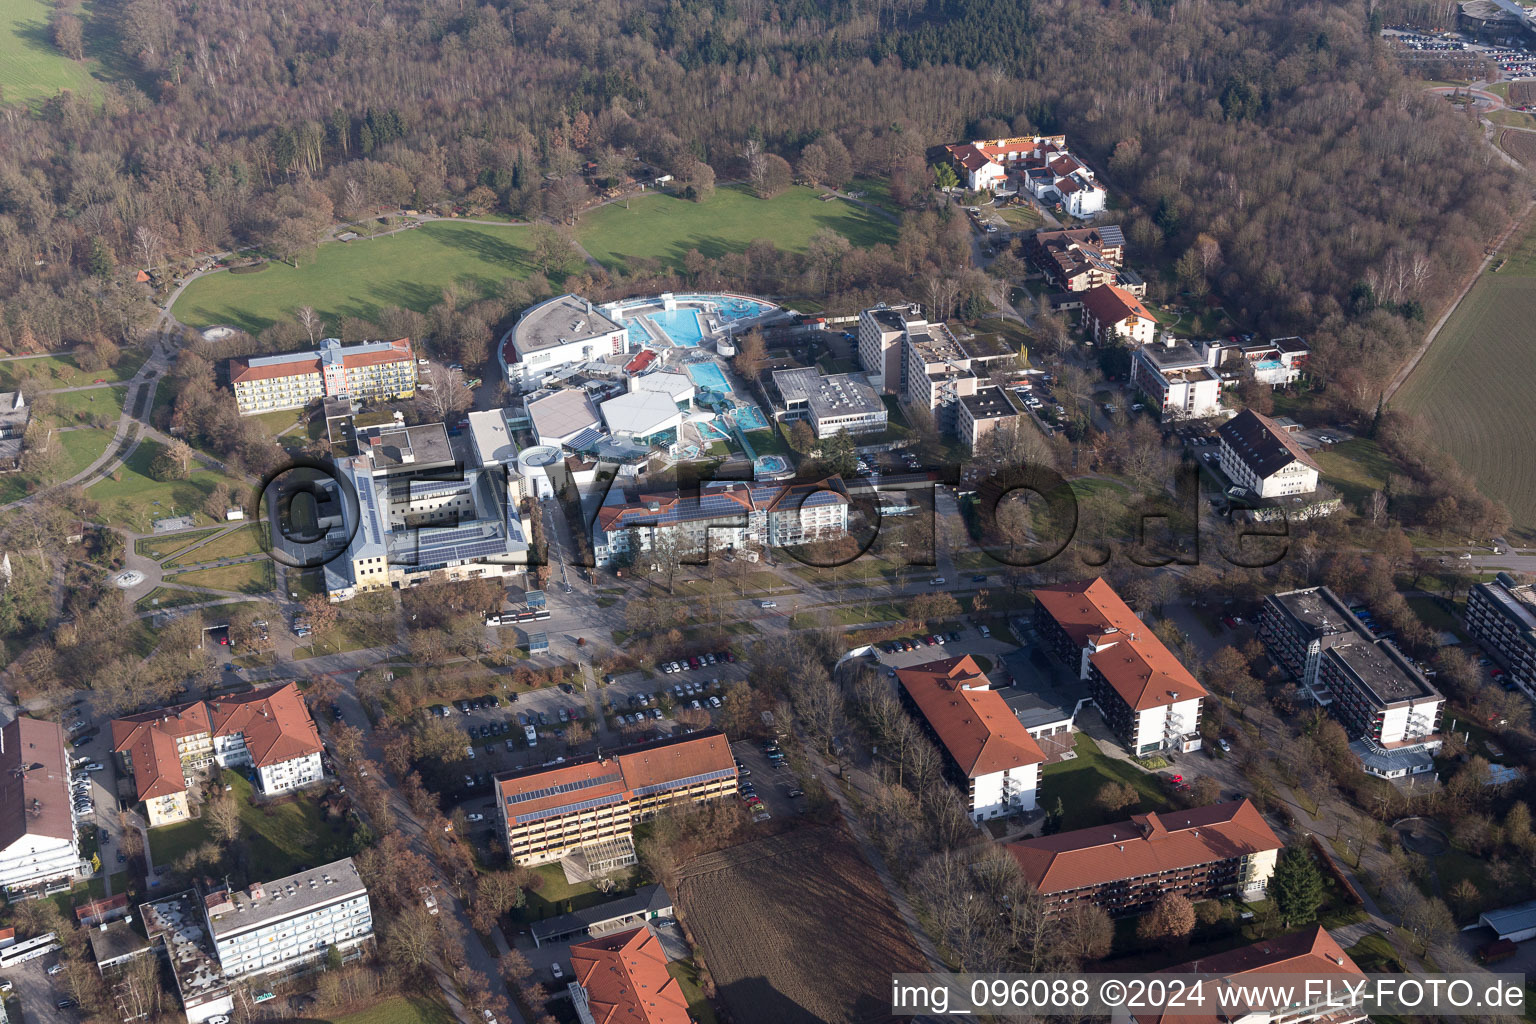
column 668, row 511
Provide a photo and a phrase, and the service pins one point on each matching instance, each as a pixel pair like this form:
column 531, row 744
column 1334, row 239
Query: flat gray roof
column 425, row 444
column 649, row 899
column 288, row 897
column 493, row 445
column 988, row 404
column 838, row 394
column 562, row 413
column 1384, row 671
column 561, row 321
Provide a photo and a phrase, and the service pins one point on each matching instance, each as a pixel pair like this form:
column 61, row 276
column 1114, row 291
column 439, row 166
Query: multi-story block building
column 419, row 514
column 1363, row 681
column 268, row 729
column 938, row 373
column 1144, row 693
column 622, row 977
column 37, row 820
column 1257, row 454
column 1215, row 852
column 989, row 754
column 881, row 336
column 982, row 413
column 557, row 334
column 1176, row 381
column 588, row 806
column 1077, row 259
column 829, row 404
column 723, row 517
column 277, row 925
column 370, row 371
column 1502, row 614
column 1310, row 953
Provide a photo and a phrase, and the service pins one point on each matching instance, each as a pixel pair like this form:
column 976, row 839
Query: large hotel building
column 587, row 808
column 1202, row 853
column 370, row 371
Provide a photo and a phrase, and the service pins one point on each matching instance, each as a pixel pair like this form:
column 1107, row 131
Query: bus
column 533, row 736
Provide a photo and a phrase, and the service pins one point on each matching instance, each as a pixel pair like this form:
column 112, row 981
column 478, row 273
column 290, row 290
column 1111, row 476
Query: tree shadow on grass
column 484, row 245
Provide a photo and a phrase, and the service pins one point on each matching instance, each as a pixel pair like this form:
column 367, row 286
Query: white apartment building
column 269, row 729
column 276, row 925
column 371, row 371
column 559, row 333
column 1257, row 454
column 938, row 373
column 881, row 335
column 1049, row 172
column 724, row 517
column 1176, row 381
column 37, row 819
column 1502, row 614
column 989, row 754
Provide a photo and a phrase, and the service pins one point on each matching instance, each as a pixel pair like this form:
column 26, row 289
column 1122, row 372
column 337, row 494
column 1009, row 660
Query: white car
column 696, row 706
column 94, row 766
column 714, row 702
column 474, row 817
column 937, row 581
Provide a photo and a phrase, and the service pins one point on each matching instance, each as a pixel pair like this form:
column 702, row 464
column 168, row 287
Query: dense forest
column 1340, row 202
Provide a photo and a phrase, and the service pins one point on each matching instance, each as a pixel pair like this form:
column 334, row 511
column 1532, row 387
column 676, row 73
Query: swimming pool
column 1267, row 364
column 681, row 325
column 770, row 465
column 730, row 307
column 638, row 335
column 708, row 377
column 749, row 418
column 710, row 432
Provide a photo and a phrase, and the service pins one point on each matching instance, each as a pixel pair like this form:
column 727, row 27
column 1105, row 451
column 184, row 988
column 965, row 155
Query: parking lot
column 37, row 994
column 772, row 783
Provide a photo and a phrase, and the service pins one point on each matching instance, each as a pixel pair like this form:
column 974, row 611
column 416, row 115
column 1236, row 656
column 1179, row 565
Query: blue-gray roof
column 649, row 899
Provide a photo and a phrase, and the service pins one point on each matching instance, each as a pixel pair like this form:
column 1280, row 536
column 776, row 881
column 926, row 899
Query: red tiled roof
column 240, row 369
column 95, row 908
column 1311, row 952
column 149, row 740
column 625, row 976
column 616, row 773
column 976, row 726
column 274, row 721
column 1145, row 845
column 1110, row 304
column 1142, row 671
column 968, row 156
column 34, row 782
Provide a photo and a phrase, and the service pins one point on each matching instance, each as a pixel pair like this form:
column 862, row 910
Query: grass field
column 81, row 448
column 169, row 597
column 30, row 67
column 168, row 544
column 408, row 269
column 1520, row 145
column 1473, row 385
column 1076, row 783
column 1355, row 467
column 243, row 541
column 401, row 1010
column 247, row 577
column 665, row 228
column 135, row 498
column 72, row 407
column 61, row 371
column 280, row 837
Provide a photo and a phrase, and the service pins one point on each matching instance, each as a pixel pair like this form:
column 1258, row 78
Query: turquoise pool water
column 1267, row 364
column 708, row 377
column 637, row 334
column 681, row 325
column 749, row 418
column 710, row 432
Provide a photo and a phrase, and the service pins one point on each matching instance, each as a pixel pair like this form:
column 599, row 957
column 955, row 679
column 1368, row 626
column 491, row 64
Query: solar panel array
column 692, row 780
column 588, row 438
column 584, row 805
column 564, row 787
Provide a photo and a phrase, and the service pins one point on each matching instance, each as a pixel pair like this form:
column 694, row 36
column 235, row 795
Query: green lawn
column 61, row 371
column 1355, row 467
column 280, row 837
column 1022, row 218
column 81, row 448
column 247, row 577
column 688, row 976
column 30, row 67
column 401, row 1010
column 243, row 541
column 168, row 544
column 79, row 406
column 169, row 597
column 664, row 227
column 1076, row 784
column 409, row 269
column 135, row 498
column 557, row 896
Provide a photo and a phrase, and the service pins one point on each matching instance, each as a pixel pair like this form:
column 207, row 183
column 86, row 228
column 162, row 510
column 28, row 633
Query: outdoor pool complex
column 683, row 326
column 708, row 377
column 771, row 464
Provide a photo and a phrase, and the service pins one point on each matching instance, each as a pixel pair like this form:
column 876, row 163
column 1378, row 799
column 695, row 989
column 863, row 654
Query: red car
column 98, row 380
